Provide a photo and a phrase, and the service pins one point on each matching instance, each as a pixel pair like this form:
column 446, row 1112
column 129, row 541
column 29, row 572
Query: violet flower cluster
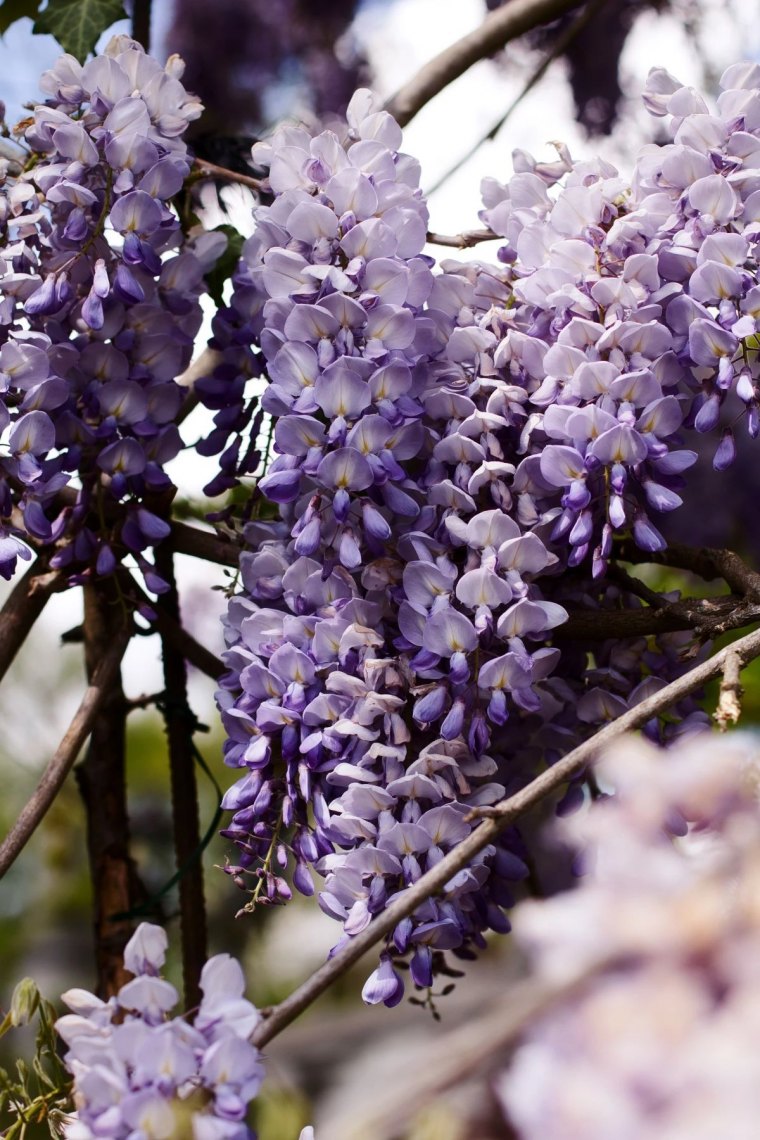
column 455, row 454
column 665, row 929
column 140, row 1073
column 99, row 310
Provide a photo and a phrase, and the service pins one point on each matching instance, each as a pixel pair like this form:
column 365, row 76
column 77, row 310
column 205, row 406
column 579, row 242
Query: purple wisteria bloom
column 99, row 306
column 138, row 1072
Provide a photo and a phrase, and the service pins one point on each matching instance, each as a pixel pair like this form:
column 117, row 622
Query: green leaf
column 225, row 266
column 78, row 24
column 12, row 10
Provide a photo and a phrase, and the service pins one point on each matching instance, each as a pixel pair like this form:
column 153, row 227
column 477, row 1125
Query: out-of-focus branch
column 23, row 606
column 478, row 1045
column 180, row 725
column 495, row 819
column 141, row 19
column 178, row 637
column 559, row 47
column 203, row 366
column 35, row 809
column 505, row 24
column 204, row 169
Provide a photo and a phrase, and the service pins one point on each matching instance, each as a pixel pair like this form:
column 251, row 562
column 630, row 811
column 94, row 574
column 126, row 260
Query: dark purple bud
column 307, row 542
column 421, row 967
column 375, row 524
column 726, row 451
column 646, row 536
column 42, row 301
column 429, row 709
column 708, row 415
column 106, row 561
column 341, row 504
column 478, row 736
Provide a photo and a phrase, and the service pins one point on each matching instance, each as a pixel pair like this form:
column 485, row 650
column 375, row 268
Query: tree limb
column 559, row 48
column 103, row 787
column 465, row 240
column 709, row 563
column 204, row 544
column 204, row 169
column 708, row 617
column 501, row 26
column 180, row 724
column 495, row 819
column 23, row 606
column 65, row 754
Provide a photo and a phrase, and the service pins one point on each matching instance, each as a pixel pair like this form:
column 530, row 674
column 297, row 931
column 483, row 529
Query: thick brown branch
column 497, row 819
column 203, row 544
column 505, row 24
column 34, row 811
column 185, row 821
column 23, row 606
column 102, row 784
column 708, row 617
column 709, row 563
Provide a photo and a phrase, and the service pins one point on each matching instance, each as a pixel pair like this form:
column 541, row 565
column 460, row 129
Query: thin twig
column 23, row 606
column 495, row 819
column 729, row 701
column 178, row 637
column 34, row 811
column 180, row 725
column 206, row 169
column 560, row 46
column 501, row 26
column 462, row 241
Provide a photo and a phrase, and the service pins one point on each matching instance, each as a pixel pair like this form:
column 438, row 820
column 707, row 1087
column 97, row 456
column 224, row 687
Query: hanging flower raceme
column 139, row 1072
column 98, row 309
column 455, row 453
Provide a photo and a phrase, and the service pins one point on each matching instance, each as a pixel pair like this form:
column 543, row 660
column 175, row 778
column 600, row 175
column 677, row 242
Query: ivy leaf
column 13, row 10
column 78, row 24
column 225, row 266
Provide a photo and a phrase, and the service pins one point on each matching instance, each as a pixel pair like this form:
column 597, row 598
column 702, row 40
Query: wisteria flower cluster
column 139, row 1073
column 666, row 927
column 98, row 311
column 445, row 445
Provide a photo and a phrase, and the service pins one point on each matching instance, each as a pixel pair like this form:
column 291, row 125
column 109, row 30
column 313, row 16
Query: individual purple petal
column 345, row 468
column 449, row 631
